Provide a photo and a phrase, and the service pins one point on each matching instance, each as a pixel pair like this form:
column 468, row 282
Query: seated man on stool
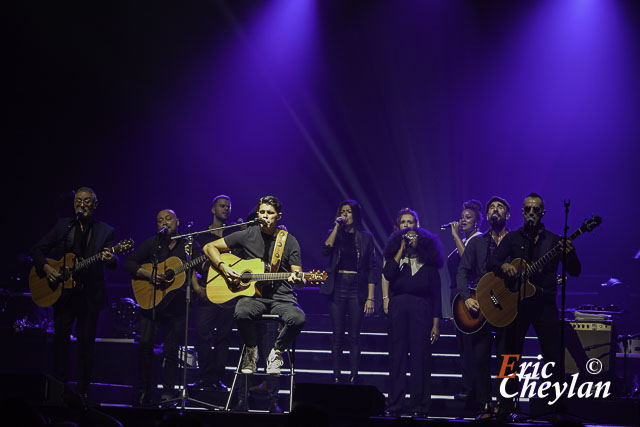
column 276, row 297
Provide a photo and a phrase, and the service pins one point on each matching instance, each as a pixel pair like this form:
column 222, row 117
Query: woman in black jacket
column 352, row 275
column 413, row 257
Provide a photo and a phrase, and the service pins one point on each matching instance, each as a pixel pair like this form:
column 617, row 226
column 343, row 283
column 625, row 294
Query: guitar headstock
column 316, row 276
column 123, row 246
column 591, row 224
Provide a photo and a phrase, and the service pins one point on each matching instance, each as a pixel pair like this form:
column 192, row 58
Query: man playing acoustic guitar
column 168, row 313
column 530, row 243
column 84, row 237
column 473, row 266
column 276, row 297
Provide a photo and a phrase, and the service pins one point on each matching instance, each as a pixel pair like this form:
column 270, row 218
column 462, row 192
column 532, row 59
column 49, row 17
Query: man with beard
column 83, row 236
column 530, row 243
column 474, row 265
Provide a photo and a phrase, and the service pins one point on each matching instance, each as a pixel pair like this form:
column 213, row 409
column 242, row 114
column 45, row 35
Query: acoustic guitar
column 174, row 273
column 45, row 293
column 498, row 302
column 467, row 321
column 251, row 271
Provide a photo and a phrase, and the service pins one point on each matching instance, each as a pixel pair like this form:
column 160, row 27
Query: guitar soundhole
column 245, row 277
column 169, row 275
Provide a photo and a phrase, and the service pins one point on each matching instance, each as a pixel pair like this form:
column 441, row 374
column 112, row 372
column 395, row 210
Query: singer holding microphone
column 84, row 236
column 412, row 259
column 462, row 232
column 170, row 315
column 352, row 275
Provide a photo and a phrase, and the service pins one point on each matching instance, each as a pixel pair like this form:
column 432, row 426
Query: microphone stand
column 184, row 394
column 563, row 293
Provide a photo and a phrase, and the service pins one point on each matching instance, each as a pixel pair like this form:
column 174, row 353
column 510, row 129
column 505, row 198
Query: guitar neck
column 553, row 252
column 259, row 277
column 192, row 263
column 87, row 262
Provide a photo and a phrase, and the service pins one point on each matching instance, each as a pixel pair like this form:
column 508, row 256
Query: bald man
column 169, row 314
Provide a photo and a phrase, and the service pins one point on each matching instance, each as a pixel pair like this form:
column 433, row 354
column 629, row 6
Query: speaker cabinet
column 590, row 340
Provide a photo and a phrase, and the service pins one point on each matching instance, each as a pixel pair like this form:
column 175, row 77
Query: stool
column 290, row 355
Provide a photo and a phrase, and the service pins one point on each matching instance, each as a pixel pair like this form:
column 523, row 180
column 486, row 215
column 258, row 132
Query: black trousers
column 410, row 323
column 209, row 318
column 482, row 343
column 173, row 328
column 344, row 304
column 464, row 344
column 73, row 306
column 541, row 311
column 249, row 309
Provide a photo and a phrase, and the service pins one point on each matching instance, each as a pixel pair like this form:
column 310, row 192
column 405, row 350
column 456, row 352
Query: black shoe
column 485, row 413
column 142, row 399
column 506, row 410
column 274, row 408
column 240, row 406
column 461, row 396
column 390, row 413
column 203, row 384
column 419, row 414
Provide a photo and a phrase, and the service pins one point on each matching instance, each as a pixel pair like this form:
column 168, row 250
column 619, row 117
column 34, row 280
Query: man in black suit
column 83, row 236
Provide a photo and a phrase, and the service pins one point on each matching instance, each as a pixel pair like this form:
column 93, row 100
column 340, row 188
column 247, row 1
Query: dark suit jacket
column 368, row 266
column 58, row 241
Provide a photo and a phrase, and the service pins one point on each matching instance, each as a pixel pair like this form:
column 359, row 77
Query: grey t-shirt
column 256, row 244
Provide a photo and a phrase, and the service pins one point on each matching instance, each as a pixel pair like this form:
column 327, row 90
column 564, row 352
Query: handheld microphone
column 340, row 220
column 240, row 221
column 445, row 226
column 163, row 230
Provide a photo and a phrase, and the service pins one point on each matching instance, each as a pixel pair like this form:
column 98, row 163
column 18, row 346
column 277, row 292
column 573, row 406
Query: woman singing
column 413, row 256
column 462, row 231
column 406, row 218
column 352, row 274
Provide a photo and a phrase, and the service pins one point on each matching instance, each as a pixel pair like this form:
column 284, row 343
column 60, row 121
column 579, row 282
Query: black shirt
column 425, row 283
column 348, row 255
column 475, row 262
column 517, row 244
column 256, row 244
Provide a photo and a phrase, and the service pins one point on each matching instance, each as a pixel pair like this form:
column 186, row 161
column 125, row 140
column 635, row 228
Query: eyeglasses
column 86, row 201
column 535, row 209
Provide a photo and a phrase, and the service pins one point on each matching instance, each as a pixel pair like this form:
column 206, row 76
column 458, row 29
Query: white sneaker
column 249, row 360
column 274, row 362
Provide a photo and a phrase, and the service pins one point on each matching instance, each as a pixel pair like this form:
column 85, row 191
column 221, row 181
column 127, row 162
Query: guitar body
column 218, row 290
column 466, row 320
column 144, row 291
column 44, row 293
column 498, row 303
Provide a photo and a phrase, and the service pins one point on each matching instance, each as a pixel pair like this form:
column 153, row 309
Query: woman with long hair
column 352, row 274
column 412, row 259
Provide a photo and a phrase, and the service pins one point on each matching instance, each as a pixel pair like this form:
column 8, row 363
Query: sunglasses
column 535, row 209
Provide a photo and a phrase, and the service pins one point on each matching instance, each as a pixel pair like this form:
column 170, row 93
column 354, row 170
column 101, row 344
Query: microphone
column 445, row 226
column 494, row 217
column 530, row 221
column 240, row 221
column 163, row 230
column 79, row 214
column 340, row 220
column 262, row 221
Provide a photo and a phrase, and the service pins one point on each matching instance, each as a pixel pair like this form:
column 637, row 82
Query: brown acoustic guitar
column 45, row 293
column 174, row 272
column 251, row 271
column 498, row 302
column 467, row 321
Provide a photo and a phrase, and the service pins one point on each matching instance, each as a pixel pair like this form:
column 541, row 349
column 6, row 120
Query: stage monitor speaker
column 34, row 388
column 345, row 401
column 588, row 340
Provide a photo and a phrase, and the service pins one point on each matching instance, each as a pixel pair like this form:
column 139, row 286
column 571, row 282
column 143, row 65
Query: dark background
column 416, row 103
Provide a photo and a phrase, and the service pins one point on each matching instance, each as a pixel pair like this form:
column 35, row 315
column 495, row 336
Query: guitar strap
column 278, row 249
column 276, row 257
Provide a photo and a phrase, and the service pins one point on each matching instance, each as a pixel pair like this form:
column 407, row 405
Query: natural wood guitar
column 174, row 271
column 467, row 321
column 45, row 293
column 251, row 271
column 498, row 302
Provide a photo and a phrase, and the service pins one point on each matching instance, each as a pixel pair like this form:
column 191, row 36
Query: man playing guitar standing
column 83, row 236
column 169, row 314
column 473, row 266
column 531, row 242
